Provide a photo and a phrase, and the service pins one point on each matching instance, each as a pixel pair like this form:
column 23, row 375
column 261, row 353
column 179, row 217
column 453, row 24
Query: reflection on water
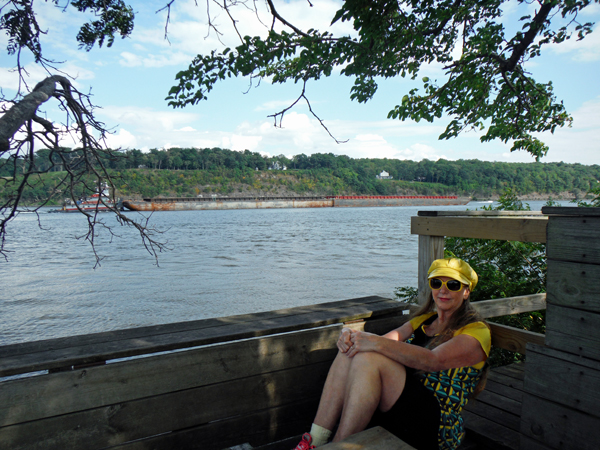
column 221, row 263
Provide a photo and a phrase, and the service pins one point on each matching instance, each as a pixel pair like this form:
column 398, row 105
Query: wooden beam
column 514, row 339
column 574, row 239
column 563, row 378
column 510, row 305
column 573, row 285
column 558, row 426
column 530, row 229
column 77, row 350
column 571, row 211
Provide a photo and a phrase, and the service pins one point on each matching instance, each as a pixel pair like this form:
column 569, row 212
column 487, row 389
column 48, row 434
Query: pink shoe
column 305, row 442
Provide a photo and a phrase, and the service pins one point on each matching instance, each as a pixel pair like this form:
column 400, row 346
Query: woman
column 415, row 380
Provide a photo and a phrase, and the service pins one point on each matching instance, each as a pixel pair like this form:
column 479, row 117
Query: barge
column 203, row 203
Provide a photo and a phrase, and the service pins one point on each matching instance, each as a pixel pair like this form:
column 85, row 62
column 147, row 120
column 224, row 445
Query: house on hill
column 384, row 176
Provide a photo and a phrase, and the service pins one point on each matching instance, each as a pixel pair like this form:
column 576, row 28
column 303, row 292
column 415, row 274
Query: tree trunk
column 25, row 110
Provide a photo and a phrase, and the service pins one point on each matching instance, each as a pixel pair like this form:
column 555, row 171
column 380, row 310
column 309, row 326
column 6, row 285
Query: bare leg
column 372, row 381
column 334, row 391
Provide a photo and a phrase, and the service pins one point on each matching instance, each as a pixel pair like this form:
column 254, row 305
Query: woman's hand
column 352, row 342
column 344, row 342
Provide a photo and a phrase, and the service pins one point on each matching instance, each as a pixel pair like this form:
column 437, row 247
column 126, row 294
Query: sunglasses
column 451, row 285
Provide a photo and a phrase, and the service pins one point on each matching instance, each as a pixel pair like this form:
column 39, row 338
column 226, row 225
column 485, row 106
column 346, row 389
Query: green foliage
column 595, row 202
column 407, row 294
column 114, row 16
column 19, row 22
column 486, row 87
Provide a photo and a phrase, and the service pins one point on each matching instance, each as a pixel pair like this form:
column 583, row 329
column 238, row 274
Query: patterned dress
column 451, row 387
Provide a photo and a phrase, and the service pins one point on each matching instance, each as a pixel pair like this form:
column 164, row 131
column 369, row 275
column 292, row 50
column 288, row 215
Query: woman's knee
column 373, row 360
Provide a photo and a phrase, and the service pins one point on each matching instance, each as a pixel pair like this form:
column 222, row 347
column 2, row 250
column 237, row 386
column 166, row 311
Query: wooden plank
column 123, row 422
column 516, row 371
column 573, row 331
column 51, row 357
column 530, row 229
column 372, row 439
column 510, row 305
column 501, row 410
column 503, row 389
column 514, row 339
column 572, row 284
column 574, row 239
column 531, row 444
column 563, row 378
column 430, row 249
column 570, row 211
column 258, row 428
column 490, row 433
column 558, row 426
column 143, row 332
column 66, row 392
column 573, row 344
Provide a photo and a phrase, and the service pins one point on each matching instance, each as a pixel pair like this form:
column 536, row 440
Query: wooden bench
column 205, row 384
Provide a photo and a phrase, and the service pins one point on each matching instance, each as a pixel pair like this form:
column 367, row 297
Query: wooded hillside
column 193, row 172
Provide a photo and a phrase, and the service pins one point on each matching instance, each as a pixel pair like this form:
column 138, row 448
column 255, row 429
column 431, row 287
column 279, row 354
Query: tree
column 486, row 88
column 25, row 129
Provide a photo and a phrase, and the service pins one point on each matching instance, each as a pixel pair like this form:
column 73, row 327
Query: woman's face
column 449, row 301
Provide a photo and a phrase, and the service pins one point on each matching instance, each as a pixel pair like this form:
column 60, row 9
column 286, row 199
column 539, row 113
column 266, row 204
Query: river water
column 220, row 263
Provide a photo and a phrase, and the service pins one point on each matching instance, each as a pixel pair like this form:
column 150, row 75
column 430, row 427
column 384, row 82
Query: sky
column 131, row 80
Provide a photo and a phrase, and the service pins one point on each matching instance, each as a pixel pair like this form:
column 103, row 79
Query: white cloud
column 153, row 61
column 419, row 151
column 190, row 33
column 123, row 139
column 148, row 118
column 580, row 142
column 240, row 142
column 130, row 60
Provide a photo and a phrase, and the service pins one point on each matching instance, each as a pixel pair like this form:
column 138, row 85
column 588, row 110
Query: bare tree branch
column 18, row 138
column 302, row 95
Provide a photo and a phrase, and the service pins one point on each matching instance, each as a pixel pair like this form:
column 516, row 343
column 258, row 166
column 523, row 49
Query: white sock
column 320, row 436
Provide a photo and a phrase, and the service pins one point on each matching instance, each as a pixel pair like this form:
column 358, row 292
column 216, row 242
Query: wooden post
column 430, row 249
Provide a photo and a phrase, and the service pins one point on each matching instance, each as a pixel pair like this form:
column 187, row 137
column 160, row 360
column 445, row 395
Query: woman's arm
column 460, row 351
column 401, row 333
